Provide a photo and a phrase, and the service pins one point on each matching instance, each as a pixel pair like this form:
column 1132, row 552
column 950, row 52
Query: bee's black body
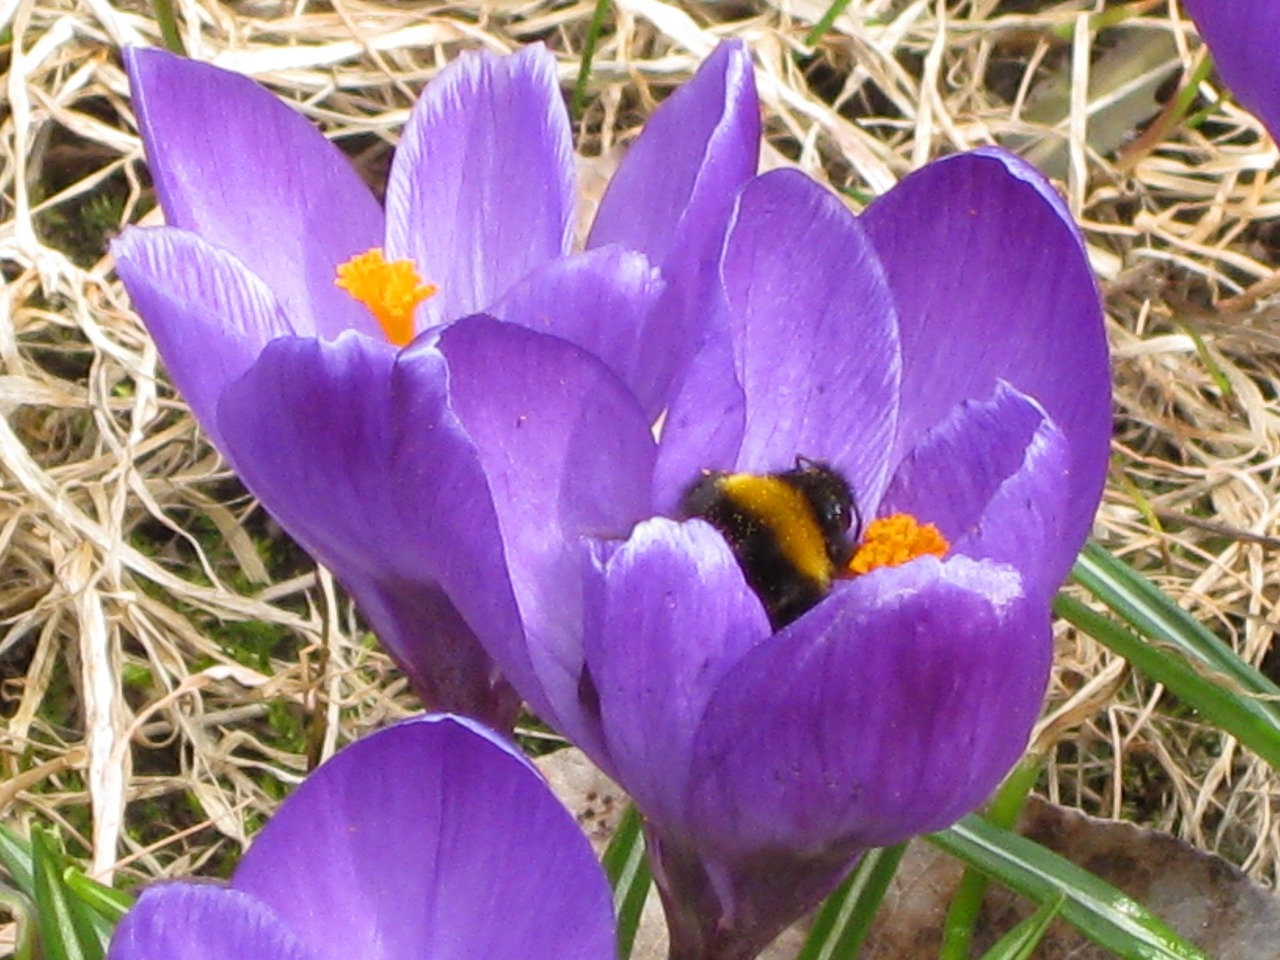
column 788, row 530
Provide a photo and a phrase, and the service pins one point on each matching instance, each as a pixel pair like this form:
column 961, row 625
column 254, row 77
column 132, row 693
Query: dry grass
column 170, row 664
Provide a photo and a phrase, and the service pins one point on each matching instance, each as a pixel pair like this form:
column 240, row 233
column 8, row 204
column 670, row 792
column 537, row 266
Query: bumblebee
column 790, row 531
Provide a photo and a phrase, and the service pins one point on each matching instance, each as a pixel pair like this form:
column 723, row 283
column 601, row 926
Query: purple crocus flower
column 1244, row 36
column 945, row 353
column 432, row 838
column 382, row 483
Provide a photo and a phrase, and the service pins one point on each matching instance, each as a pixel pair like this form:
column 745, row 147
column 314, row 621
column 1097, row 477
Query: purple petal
column 567, row 454
column 202, row 921
column 816, row 351
column 601, row 300
column 1023, row 522
column 209, row 316
column 735, row 909
column 234, row 164
column 1243, row 36
column 672, row 198
column 993, row 477
column 352, row 447
column 683, row 172
column 706, row 422
column 819, row 738
column 482, row 186
column 431, row 839
column 668, row 615
column 435, row 645
column 992, row 282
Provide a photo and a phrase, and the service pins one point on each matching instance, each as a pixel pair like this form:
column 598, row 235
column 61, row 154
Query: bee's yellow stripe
column 788, row 514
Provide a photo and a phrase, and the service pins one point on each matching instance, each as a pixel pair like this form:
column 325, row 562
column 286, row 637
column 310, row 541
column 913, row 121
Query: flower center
column 894, row 540
column 391, row 290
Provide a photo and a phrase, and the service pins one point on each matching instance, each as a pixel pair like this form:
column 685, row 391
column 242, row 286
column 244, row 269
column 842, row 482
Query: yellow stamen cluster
column 893, row 540
column 391, row 290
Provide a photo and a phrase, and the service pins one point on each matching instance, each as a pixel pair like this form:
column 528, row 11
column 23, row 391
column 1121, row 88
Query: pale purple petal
column 352, row 447
column 567, row 454
column 892, row 708
column 814, row 335
column 993, row 477
column 235, row 164
column 1243, row 36
column 991, row 282
column 1024, row 523
column 696, row 152
column 666, row 616
column 209, row 316
column 672, row 198
column 203, row 921
column 601, row 300
column 482, row 185
column 433, row 839
column 705, row 423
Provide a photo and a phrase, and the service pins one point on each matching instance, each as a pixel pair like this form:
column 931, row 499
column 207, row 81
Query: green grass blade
column 1249, row 720
column 1100, row 911
column 60, row 939
column 167, row 21
column 1138, row 602
column 820, row 28
column 579, row 100
column 1018, row 943
column 628, row 871
column 93, row 928
column 966, row 904
column 106, row 902
column 23, row 912
column 91, row 908
column 845, row 919
column 15, row 857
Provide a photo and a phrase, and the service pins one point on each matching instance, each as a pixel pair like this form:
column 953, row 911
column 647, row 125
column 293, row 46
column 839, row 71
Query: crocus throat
column 391, row 290
column 895, row 539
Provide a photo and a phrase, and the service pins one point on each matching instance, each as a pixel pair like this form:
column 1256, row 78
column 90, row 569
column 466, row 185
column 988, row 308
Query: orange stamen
column 391, row 290
column 894, row 540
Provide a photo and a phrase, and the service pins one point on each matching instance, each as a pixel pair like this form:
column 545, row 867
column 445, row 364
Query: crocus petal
column 434, row 644
column 1023, row 524
column 236, row 165
column 202, row 921
column 209, row 316
column 1243, row 36
column 435, row 839
column 706, row 421
column 813, row 323
column 993, row 477
column 667, row 615
column 482, row 185
column 818, row 737
column 352, row 447
column 567, row 453
column 734, row 909
column 601, row 300
column 697, row 150
column 1033, row 318
column 672, row 197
